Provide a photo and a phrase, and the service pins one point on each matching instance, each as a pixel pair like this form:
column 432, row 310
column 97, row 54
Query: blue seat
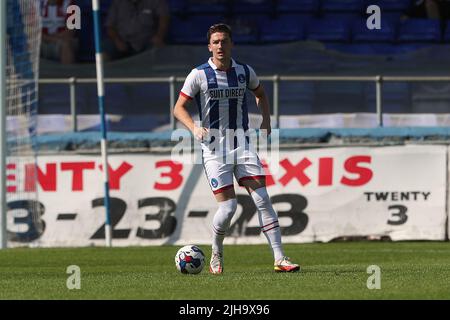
column 447, row 32
column 192, row 30
column 361, row 33
column 251, row 37
column 348, row 17
column 284, row 28
column 392, row 17
column 207, row 6
column 177, row 6
column 419, row 30
column 252, row 6
column 342, row 5
column 328, row 30
column 246, row 28
column 390, row 5
column 291, row 6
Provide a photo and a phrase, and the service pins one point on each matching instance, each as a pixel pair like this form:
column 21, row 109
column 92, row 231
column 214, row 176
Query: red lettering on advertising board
column 77, row 169
column 116, row 175
column 325, row 171
column 11, row 178
column 176, row 179
column 295, row 171
column 34, row 174
column 364, row 174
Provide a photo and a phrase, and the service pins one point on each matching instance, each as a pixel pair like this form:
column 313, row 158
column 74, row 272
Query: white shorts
column 219, row 172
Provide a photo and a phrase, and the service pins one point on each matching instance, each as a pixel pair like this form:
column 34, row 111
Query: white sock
column 268, row 220
column 221, row 223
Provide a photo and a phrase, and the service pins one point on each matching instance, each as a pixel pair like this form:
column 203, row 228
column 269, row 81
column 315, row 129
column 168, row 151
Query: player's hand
column 265, row 125
column 200, row 133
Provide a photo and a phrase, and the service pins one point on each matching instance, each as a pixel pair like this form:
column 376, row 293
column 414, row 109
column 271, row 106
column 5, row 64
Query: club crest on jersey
column 241, row 78
column 214, row 183
column 212, row 81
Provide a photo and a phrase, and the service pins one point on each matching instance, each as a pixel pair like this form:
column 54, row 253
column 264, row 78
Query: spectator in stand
column 444, row 9
column 58, row 42
column 134, row 26
column 431, row 9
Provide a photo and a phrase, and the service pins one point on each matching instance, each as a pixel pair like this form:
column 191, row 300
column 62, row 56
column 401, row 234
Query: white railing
column 276, row 79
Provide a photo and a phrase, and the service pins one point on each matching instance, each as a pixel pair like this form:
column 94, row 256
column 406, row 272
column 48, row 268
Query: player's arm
column 263, row 104
column 180, row 112
column 190, row 88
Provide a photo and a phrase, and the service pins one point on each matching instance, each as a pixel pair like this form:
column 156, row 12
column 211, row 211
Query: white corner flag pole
column 101, row 101
column 3, row 205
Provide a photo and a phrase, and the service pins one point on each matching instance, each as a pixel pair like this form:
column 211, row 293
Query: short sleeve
column 191, row 85
column 253, row 82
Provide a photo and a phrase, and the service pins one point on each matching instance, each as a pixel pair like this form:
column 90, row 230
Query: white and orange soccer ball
column 190, row 259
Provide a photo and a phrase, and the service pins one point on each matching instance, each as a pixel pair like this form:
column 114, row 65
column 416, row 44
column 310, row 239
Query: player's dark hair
column 219, row 27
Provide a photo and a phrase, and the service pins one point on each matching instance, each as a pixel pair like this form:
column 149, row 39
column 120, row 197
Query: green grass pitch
column 409, row 270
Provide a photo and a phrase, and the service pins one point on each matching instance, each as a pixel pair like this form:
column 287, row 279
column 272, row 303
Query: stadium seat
column 291, row 6
column 252, row 6
column 177, row 6
column 447, row 32
column 192, row 30
column 391, row 17
column 348, row 17
column 419, row 30
column 284, row 28
column 328, row 30
column 246, row 28
column 207, row 6
column 342, row 6
column 390, row 5
column 360, row 32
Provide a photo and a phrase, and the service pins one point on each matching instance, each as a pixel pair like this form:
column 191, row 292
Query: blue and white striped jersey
column 220, row 95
